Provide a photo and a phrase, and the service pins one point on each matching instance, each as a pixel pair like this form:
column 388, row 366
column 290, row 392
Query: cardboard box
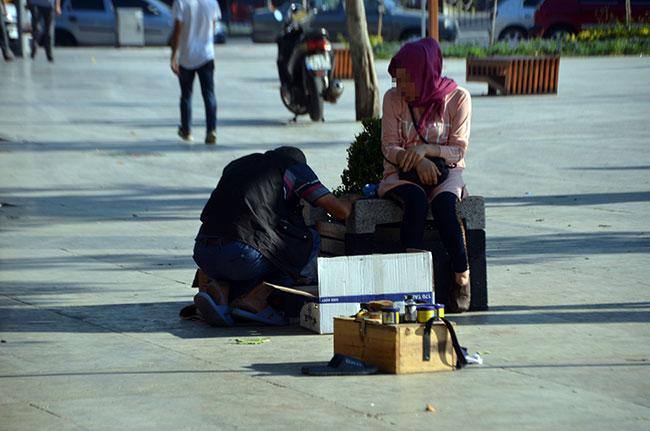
column 396, row 349
column 346, row 281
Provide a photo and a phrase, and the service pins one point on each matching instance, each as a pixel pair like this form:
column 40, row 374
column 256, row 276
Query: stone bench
column 515, row 75
column 373, row 228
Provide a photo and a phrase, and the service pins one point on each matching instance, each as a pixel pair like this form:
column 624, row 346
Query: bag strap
column 417, row 129
column 426, row 342
column 417, row 125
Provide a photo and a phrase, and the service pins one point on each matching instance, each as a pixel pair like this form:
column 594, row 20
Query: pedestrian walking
column 193, row 54
column 46, row 9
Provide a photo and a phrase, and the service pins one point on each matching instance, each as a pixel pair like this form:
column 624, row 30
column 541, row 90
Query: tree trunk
column 366, row 91
column 628, row 14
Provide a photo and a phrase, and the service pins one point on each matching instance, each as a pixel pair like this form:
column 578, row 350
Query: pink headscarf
column 422, row 60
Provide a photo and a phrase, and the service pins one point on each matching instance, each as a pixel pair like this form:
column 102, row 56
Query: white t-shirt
column 197, row 41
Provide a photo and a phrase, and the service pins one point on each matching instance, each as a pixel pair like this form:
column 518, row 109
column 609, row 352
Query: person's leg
column 49, row 15
column 452, row 234
column 34, row 43
column 234, row 265
column 186, row 80
column 413, row 201
column 206, row 79
column 4, row 40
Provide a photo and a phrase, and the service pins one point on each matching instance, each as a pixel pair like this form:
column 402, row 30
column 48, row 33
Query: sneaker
column 186, row 135
column 211, row 137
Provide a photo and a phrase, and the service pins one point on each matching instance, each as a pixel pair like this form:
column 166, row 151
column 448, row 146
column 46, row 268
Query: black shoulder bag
column 412, row 175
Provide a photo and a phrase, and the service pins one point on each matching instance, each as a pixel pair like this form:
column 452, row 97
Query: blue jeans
column 206, row 79
column 244, row 267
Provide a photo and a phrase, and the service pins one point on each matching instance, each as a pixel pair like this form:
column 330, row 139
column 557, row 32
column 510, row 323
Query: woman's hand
column 427, row 172
column 412, row 157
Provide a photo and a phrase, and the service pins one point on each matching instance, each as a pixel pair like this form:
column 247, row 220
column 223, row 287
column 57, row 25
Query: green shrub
column 365, row 161
column 618, row 31
column 605, row 40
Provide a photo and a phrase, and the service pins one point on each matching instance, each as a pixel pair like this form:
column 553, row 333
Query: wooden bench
column 515, row 75
column 373, row 227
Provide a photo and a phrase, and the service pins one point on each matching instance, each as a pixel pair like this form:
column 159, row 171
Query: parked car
column 92, row 22
column 515, row 19
column 398, row 24
column 555, row 18
column 219, row 32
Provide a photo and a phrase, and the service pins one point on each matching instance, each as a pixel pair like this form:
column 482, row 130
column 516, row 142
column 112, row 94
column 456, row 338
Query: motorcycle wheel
column 315, row 103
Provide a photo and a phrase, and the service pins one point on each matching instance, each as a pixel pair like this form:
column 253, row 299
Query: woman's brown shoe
column 459, row 297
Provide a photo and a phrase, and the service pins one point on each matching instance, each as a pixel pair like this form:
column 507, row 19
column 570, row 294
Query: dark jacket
column 248, row 205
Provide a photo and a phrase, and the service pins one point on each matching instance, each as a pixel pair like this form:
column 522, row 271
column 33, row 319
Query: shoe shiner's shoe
column 213, row 314
column 191, row 312
column 211, row 137
column 185, row 135
column 268, row 316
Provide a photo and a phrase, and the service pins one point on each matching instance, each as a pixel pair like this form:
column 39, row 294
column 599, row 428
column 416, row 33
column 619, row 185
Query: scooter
column 305, row 64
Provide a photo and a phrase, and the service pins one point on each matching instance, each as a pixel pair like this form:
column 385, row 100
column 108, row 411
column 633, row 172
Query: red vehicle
column 555, row 18
column 242, row 10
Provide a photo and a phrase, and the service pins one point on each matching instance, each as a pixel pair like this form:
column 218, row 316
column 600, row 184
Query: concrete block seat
column 373, row 227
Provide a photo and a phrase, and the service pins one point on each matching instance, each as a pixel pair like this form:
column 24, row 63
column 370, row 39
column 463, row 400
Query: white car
column 514, row 19
column 92, row 22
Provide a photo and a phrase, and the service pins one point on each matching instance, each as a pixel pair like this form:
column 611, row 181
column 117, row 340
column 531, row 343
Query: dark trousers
column 206, row 79
column 413, row 201
column 48, row 15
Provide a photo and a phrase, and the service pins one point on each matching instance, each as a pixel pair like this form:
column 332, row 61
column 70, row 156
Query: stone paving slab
column 95, row 254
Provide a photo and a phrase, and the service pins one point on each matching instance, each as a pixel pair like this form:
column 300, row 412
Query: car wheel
column 513, row 34
column 559, row 32
column 63, row 38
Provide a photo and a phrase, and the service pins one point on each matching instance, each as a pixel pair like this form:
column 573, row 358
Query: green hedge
column 365, row 161
column 610, row 40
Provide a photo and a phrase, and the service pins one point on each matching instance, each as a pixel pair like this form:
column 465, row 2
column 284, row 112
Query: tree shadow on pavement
column 146, row 317
column 570, row 200
column 512, row 250
column 624, row 312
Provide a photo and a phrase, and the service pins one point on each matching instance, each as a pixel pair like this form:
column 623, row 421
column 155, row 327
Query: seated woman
column 427, row 115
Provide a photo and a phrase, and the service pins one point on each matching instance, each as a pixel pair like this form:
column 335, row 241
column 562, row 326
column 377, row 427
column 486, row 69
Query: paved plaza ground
column 100, row 205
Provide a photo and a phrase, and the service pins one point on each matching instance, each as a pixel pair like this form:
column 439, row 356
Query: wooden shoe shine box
column 396, row 349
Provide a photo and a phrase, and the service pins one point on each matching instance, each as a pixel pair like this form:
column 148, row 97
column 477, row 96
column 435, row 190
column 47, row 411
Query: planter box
column 343, row 64
column 515, row 75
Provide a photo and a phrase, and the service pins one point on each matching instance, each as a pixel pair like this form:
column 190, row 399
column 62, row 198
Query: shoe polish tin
column 389, row 315
column 425, row 312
